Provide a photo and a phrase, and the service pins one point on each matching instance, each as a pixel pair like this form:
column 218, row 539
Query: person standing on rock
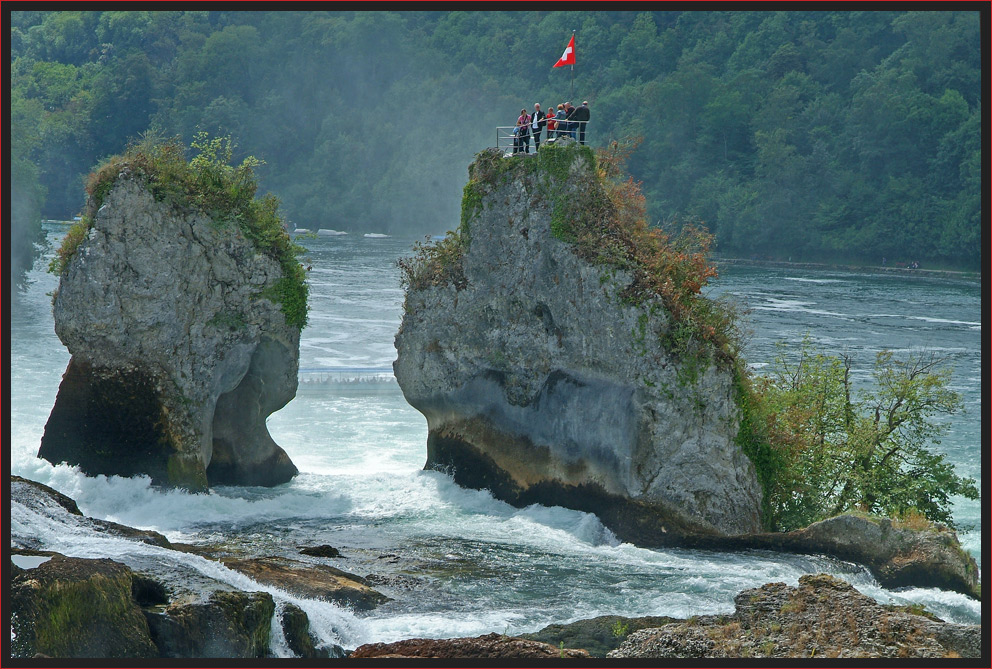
column 581, row 115
column 523, row 131
column 537, row 124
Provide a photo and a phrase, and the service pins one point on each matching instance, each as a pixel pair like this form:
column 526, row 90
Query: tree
column 869, row 449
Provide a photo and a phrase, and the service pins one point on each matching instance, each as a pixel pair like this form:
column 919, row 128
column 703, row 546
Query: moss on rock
column 74, row 607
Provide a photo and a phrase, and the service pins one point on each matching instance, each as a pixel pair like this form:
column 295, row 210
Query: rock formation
column 822, row 617
column 178, row 352
column 542, row 383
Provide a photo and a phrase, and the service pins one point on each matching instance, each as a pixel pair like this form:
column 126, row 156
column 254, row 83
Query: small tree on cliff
column 841, row 448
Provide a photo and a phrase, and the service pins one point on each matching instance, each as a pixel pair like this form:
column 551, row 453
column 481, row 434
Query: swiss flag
column 567, row 58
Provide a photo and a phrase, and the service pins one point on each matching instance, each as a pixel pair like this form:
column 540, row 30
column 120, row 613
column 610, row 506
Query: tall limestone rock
column 179, row 352
column 542, row 382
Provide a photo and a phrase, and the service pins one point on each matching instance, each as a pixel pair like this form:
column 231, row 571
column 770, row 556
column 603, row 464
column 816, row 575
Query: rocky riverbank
column 65, row 606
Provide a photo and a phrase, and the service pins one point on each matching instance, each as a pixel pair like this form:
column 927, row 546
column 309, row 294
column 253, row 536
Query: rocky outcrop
column 822, row 617
column 542, row 383
column 178, row 351
column 487, row 646
column 75, row 607
column 313, row 581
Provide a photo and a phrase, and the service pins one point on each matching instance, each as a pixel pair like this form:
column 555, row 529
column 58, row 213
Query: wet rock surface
column 44, row 499
column 178, row 355
column 228, row 624
column 822, row 617
column 494, row 645
column 597, row 636
column 314, row 581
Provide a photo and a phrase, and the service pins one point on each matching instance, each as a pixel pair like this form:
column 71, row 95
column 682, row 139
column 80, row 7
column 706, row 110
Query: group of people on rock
column 563, row 121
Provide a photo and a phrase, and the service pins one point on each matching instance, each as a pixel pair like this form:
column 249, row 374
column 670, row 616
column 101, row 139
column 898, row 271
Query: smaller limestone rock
column 179, row 352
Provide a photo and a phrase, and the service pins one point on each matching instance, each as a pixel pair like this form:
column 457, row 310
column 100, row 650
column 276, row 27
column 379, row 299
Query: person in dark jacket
column 569, row 123
column 537, row 123
column 581, row 116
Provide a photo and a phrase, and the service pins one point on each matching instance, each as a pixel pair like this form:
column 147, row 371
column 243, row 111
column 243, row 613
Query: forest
column 807, row 135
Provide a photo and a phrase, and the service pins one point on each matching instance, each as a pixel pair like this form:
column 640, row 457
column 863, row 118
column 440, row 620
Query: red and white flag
column 567, row 58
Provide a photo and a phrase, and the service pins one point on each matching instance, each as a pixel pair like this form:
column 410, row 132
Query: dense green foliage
column 207, row 183
column 802, row 134
column 825, row 447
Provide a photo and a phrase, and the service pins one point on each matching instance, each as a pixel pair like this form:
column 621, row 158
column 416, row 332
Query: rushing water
column 458, row 562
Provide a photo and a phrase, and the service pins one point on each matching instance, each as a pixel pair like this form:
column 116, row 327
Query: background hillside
column 811, row 135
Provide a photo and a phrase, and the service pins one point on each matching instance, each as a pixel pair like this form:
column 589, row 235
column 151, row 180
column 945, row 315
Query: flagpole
column 571, row 88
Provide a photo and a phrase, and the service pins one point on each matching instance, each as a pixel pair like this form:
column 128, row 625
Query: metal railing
column 506, row 136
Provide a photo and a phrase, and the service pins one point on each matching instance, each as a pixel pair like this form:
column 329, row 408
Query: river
column 458, row 562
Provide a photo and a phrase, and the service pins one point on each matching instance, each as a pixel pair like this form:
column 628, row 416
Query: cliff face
column 540, row 382
column 178, row 356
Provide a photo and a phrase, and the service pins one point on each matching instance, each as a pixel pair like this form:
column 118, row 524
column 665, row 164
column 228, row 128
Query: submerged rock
column 486, row 646
column 822, row 617
column 541, row 383
column 296, row 628
column 178, row 351
column 323, row 550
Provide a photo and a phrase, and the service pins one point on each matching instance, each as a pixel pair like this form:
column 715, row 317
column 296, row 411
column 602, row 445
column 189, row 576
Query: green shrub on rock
column 208, row 184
